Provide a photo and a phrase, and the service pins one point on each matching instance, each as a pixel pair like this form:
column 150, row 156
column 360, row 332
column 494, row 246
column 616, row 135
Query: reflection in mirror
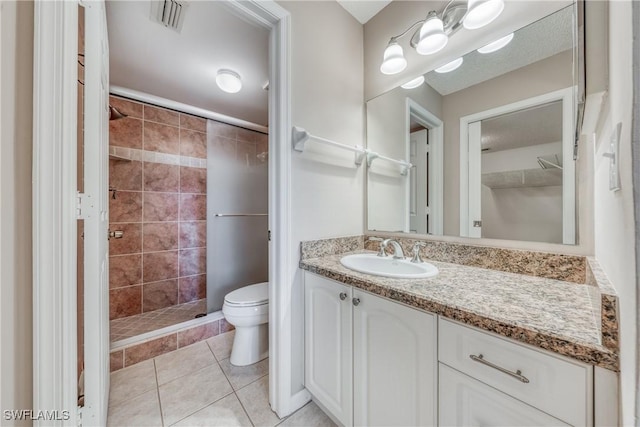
column 508, row 117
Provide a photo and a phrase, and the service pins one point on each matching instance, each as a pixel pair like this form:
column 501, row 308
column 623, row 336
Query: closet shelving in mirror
column 523, row 178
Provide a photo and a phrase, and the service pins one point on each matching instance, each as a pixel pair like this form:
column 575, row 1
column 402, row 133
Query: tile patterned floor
column 131, row 326
column 197, row 386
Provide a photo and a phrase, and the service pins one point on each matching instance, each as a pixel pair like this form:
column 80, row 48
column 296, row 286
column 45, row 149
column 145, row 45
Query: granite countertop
column 550, row 314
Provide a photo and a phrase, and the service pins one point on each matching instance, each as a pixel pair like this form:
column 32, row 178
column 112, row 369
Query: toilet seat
column 248, row 296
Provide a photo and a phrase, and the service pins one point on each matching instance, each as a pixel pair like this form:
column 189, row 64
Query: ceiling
column 363, row 10
column 181, row 66
column 539, row 40
column 531, row 126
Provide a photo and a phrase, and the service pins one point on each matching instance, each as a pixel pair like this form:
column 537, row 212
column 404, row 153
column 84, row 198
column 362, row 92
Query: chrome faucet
column 398, row 253
column 416, row 252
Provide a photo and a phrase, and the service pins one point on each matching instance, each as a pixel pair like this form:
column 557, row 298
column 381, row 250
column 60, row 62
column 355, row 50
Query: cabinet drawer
column 557, row 386
column 466, row 402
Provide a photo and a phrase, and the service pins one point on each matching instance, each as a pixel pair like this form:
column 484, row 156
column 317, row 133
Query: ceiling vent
column 169, row 13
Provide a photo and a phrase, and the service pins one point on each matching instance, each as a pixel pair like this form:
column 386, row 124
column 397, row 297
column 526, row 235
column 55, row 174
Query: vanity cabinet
column 489, row 380
column 368, row 361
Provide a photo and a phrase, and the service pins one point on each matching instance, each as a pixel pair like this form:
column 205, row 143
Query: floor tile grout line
column 244, row 409
column 155, row 370
column 190, row 372
column 201, row 408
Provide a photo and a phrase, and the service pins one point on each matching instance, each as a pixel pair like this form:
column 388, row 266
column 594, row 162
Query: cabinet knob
column 356, row 301
column 343, row 296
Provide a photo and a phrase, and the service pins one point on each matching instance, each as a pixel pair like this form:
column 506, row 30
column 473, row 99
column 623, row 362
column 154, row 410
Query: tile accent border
column 123, row 153
column 157, row 345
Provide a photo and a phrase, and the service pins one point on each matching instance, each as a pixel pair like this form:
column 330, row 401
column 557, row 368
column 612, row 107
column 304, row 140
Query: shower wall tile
column 193, row 234
column 150, row 349
column 246, row 135
column 130, row 108
column 161, row 138
column 192, row 122
column 116, row 360
column 161, row 115
column 159, row 266
column 125, row 270
column 124, row 302
column 160, row 207
column 125, row 207
column 192, row 288
column 125, row 175
column 126, row 132
column 222, row 129
column 131, row 241
column 159, row 295
column 161, row 177
column 159, row 236
column 224, row 148
column 193, row 180
column 197, row 334
column 193, row 144
column 193, row 261
column 193, row 207
column 246, row 153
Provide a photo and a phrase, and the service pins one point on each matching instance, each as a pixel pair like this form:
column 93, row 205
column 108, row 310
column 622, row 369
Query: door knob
column 343, row 296
column 356, row 301
column 116, row 234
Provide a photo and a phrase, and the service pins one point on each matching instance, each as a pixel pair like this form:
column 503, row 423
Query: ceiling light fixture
column 412, row 84
column 455, row 64
column 496, row 45
column 433, row 32
column 229, row 81
column 482, row 12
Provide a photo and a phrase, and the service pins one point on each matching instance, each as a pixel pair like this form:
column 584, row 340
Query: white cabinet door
column 394, row 363
column 328, row 345
column 467, row 402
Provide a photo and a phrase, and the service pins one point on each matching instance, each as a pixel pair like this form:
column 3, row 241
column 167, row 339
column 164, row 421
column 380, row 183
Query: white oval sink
column 388, row 266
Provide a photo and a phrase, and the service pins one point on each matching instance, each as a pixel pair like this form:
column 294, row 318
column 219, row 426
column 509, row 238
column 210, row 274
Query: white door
column 419, row 209
column 464, row 401
column 328, row 345
column 95, row 210
column 394, row 363
column 474, row 219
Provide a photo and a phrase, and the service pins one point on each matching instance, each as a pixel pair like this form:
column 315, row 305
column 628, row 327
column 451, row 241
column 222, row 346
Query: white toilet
column 247, row 309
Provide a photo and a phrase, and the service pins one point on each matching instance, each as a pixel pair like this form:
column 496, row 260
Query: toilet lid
column 249, row 295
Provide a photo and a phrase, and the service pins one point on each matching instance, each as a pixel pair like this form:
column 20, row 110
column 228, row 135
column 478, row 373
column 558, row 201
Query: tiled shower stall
column 158, row 198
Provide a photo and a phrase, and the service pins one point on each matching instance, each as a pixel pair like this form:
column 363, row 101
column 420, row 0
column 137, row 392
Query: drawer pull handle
column 517, row 374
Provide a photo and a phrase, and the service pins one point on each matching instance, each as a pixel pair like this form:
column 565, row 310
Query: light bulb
column 450, row 66
column 393, row 61
column 432, row 36
column 481, row 13
column 496, row 45
column 413, row 83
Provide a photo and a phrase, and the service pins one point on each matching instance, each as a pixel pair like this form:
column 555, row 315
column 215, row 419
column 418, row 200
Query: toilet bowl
column 247, row 309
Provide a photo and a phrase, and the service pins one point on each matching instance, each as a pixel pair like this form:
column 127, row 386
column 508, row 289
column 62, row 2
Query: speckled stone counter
column 550, row 314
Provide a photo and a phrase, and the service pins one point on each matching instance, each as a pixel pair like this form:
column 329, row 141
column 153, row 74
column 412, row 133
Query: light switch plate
column 614, row 159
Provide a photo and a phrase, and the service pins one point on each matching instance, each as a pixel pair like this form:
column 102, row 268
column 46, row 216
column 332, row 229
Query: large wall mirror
column 486, row 148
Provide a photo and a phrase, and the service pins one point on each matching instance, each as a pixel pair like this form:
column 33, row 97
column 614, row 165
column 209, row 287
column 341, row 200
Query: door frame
column 55, row 202
column 435, row 128
column 565, row 95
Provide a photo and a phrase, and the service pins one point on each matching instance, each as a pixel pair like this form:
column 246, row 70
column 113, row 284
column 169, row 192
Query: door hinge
column 269, row 235
column 83, row 206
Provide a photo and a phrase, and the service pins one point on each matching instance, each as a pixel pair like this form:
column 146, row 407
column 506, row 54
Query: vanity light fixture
column 496, row 45
column 434, row 31
column 412, row 84
column 229, row 81
column 453, row 65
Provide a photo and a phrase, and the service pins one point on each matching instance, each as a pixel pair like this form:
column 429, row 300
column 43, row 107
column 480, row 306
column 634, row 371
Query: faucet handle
column 383, row 246
column 416, row 251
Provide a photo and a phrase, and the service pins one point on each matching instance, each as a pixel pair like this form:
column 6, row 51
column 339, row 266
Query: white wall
column 387, row 135
column 526, row 82
column 327, row 100
column 614, row 216
column 16, row 63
